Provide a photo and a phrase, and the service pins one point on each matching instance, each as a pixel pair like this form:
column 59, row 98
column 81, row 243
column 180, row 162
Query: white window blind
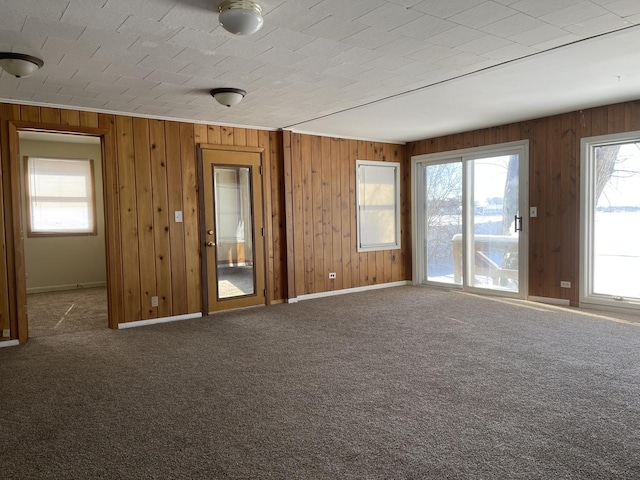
column 60, row 196
column 378, row 193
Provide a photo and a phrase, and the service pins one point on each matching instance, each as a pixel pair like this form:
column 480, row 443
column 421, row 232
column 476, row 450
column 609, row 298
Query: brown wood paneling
column 128, row 219
column 113, row 251
column 70, row 117
column 160, row 197
column 345, row 214
column 190, row 214
column 176, row 229
column 144, row 196
column 50, row 115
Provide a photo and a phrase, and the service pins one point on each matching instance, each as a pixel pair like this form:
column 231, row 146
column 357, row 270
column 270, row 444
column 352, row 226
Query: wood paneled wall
column 554, row 184
column 150, row 172
column 321, row 215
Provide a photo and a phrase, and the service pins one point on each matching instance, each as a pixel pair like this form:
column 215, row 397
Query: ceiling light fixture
column 240, row 17
column 19, row 64
column 228, row 96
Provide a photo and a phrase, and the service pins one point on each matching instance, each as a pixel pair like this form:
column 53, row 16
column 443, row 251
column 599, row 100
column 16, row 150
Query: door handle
column 209, row 232
column 518, row 223
column 211, row 244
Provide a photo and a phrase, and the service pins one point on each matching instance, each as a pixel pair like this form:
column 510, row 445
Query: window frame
column 374, row 247
column 92, row 230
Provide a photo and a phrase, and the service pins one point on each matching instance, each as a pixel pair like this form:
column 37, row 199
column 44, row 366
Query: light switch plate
column 178, row 216
column 533, row 212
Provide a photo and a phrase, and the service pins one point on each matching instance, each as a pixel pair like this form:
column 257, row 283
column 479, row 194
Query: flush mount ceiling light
column 19, row 64
column 228, row 96
column 240, row 17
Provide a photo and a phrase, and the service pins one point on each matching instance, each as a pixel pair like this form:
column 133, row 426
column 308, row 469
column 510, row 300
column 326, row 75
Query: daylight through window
column 60, row 196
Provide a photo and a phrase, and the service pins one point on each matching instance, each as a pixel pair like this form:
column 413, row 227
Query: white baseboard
column 9, row 343
column 344, row 291
column 550, row 301
column 71, row 286
column 154, row 321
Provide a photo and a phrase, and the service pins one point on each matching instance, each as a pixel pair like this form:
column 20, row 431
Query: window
column 378, row 200
column 60, row 197
column 610, row 209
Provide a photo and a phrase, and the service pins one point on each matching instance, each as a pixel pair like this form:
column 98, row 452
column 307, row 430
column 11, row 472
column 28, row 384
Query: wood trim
column 231, row 148
column 30, row 126
column 289, row 218
column 202, row 233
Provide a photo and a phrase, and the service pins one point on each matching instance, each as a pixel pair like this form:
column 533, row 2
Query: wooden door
column 233, row 229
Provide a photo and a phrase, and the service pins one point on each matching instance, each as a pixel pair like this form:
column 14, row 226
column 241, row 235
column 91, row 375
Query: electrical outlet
column 332, row 275
column 533, row 212
column 154, row 301
column 564, row 284
column 6, row 333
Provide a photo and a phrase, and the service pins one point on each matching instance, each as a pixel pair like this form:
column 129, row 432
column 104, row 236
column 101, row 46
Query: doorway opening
column 470, row 212
column 62, row 206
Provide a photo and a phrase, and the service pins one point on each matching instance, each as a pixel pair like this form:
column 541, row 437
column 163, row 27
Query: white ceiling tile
column 389, row 62
column 100, row 87
column 47, row 28
column 197, row 59
column 295, row 16
column 77, row 48
column 142, row 48
column 168, row 77
column 511, row 52
column 371, row 38
column 55, row 98
column 462, row 61
column 148, row 27
column 112, row 39
column 348, row 70
column 242, row 49
column 280, row 56
column 389, row 17
column 198, row 18
column 400, row 46
column 87, row 102
column 425, row 27
column 538, row 8
column 118, row 56
column 323, row 48
column 334, row 28
column 556, row 42
column 83, row 64
column 598, row 25
column 154, row 62
column 446, row 9
column 455, row 36
column 284, row 38
column 11, row 20
column 132, row 71
column 189, row 37
column 433, row 53
column 538, row 35
column 143, row 8
column 79, row 13
column 483, row 14
column 347, row 10
column 483, row 45
column 28, row 86
column 512, row 25
column 314, row 65
column 136, row 83
column 577, row 13
column 358, row 55
column 51, row 9
column 624, row 8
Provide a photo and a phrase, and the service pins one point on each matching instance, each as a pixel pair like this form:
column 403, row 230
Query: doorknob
column 211, row 244
column 209, row 232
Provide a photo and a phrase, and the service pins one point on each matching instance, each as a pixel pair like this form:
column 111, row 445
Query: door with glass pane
column 469, row 220
column 611, row 220
column 233, row 240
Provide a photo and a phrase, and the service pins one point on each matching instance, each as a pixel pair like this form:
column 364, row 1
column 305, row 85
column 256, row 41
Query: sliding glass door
column 468, row 219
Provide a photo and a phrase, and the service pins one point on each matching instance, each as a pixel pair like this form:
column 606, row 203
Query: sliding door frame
column 417, row 222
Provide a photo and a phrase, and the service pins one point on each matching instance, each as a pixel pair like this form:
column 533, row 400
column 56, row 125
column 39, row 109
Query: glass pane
column 234, row 235
column 616, row 226
column 494, row 244
column 443, row 222
column 377, row 206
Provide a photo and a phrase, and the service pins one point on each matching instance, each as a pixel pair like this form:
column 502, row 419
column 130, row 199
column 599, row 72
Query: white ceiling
column 397, row 70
